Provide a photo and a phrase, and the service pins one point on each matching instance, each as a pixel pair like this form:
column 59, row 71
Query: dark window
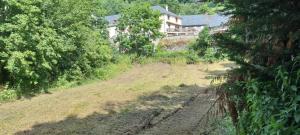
column 168, row 17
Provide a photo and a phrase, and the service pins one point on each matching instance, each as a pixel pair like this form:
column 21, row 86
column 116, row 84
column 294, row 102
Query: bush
column 192, row 58
column 178, row 57
column 8, row 95
column 224, row 127
column 121, row 64
column 205, row 48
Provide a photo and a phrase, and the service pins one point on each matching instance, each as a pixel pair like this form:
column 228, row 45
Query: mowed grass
column 85, row 100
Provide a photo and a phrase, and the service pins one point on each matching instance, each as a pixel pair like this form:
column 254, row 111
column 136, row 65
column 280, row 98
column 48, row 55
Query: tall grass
column 169, row 57
column 119, row 64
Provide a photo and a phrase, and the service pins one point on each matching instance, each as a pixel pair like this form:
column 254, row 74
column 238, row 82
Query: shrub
column 8, row 95
column 121, row 64
column 205, row 48
column 192, row 58
column 177, row 57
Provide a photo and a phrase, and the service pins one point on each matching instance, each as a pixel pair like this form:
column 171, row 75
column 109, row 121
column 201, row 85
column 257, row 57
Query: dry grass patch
column 108, row 107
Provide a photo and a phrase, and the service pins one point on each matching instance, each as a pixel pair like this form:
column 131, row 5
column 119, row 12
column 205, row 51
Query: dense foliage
column 43, row 40
column 181, row 7
column 206, row 48
column 202, row 8
column 138, row 28
column 113, row 7
column 264, row 39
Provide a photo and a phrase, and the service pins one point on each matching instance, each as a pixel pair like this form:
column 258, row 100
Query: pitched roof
column 163, row 11
column 200, row 20
column 112, row 19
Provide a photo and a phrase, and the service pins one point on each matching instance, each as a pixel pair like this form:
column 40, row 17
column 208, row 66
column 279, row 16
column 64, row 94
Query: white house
column 112, row 25
column 170, row 21
column 174, row 25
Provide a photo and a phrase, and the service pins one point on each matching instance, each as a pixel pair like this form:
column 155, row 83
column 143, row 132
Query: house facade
column 170, row 21
column 112, row 25
column 175, row 25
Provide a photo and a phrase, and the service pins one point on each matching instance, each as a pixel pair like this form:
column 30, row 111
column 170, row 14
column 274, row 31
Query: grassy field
column 109, row 107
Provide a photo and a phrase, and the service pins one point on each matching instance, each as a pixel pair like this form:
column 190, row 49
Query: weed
column 8, row 95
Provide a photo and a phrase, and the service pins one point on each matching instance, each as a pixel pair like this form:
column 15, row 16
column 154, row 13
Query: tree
column 206, row 48
column 264, row 39
column 203, row 42
column 186, row 1
column 138, row 27
column 42, row 40
column 200, row 8
column 174, row 5
column 112, row 7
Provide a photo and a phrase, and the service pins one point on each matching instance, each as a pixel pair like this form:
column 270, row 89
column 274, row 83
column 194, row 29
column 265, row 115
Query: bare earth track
column 154, row 99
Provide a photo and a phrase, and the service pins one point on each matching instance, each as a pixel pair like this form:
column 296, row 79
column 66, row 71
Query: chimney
column 167, row 8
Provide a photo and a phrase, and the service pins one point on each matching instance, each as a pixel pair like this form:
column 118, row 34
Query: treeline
column 42, row 41
column 263, row 94
column 181, row 7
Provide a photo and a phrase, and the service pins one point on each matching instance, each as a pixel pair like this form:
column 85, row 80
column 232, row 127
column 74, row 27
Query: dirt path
column 144, row 100
column 184, row 120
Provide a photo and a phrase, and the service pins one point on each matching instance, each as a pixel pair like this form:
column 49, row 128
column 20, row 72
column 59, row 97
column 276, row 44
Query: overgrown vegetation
column 119, row 64
column 263, row 94
column 206, row 48
column 223, row 127
column 177, row 57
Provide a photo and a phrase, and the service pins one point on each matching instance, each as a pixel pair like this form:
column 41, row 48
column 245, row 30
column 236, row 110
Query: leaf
column 297, row 117
column 294, row 88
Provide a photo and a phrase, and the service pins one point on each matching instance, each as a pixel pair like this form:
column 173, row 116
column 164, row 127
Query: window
column 168, row 17
column 176, row 19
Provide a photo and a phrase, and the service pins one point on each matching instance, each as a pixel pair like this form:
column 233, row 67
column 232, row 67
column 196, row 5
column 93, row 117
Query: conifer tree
column 264, row 39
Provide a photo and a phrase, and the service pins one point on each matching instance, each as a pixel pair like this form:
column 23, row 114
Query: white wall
column 172, row 19
column 195, row 29
column 169, row 22
column 198, row 28
column 112, row 31
column 164, row 26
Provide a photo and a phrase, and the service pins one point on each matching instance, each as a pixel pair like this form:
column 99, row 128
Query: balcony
column 181, row 32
